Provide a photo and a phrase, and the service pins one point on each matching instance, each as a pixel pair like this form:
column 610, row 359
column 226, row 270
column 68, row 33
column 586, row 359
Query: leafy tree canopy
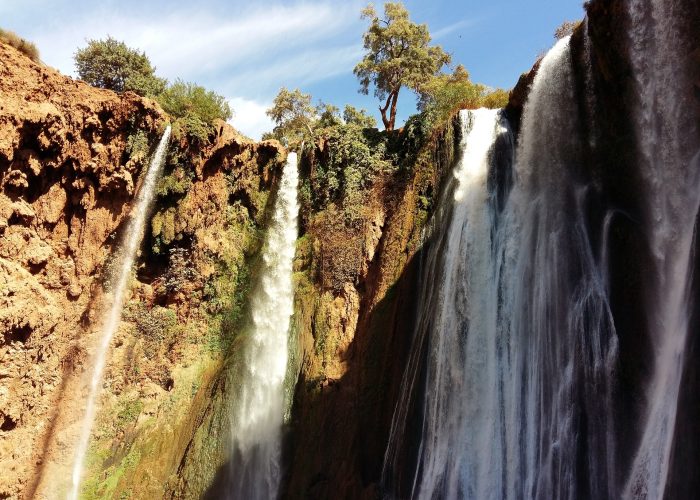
column 293, row 115
column 398, row 53
column 111, row 64
column 359, row 117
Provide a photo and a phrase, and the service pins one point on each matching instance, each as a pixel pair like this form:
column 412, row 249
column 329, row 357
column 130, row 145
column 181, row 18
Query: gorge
column 500, row 304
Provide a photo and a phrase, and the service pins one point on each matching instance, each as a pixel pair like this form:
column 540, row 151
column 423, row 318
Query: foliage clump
column 293, row 115
column 153, row 324
column 180, row 273
column 24, row 46
column 194, row 107
column 566, row 29
column 111, row 64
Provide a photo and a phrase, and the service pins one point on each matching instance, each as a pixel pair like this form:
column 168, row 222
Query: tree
column 359, row 117
column 183, row 98
column 443, row 94
column 328, row 115
column 397, row 54
column 111, row 64
column 293, row 115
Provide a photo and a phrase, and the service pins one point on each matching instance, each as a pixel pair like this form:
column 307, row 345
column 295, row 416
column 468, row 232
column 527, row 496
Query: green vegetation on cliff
column 111, row 64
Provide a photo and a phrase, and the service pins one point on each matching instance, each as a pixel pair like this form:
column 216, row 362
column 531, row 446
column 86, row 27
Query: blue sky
column 247, row 50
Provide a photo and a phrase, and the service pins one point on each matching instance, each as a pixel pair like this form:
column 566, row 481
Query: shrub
column 111, row 64
column 25, row 47
column 495, row 99
column 444, row 94
column 194, row 108
column 359, row 117
column 185, row 98
column 153, row 324
column 180, row 272
column 565, row 29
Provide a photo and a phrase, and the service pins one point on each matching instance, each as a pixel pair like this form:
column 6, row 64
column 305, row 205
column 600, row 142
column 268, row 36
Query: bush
column 181, row 272
column 111, row 64
column 194, row 107
column 153, row 324
column 359, row 117
column 184, row 98
column 25, row 47
column 495, row 99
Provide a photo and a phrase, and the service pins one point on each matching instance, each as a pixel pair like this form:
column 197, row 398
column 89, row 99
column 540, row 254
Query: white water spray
column 133, row 236
column 257, row 415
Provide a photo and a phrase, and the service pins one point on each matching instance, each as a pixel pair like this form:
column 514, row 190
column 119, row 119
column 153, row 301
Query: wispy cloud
column 306, row 67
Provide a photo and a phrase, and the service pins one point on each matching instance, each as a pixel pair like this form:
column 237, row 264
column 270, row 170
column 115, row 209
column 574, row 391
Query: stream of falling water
column 258, row 410
column 132, row 240
column 514, row 324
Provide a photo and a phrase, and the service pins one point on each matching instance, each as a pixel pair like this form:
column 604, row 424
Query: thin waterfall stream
column 258, row 407
column 127, row 254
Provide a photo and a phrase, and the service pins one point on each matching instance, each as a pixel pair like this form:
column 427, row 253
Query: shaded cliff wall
column 354, row 313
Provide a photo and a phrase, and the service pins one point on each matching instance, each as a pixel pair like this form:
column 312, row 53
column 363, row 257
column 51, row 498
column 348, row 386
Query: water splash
column 132, row 241
column 257, row 414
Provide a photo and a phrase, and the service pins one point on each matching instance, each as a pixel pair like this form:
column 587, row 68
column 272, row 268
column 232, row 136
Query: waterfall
column 514, row 332
column 258, row 407
column 669, row 161
column 132, row 240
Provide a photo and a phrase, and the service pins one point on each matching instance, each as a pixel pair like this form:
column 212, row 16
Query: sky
column 247, row 50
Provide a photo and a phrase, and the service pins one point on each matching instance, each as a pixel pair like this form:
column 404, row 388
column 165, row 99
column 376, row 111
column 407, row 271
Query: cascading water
column 132, row 241
column 257, row 414
column 514, row 331
column 670, row 163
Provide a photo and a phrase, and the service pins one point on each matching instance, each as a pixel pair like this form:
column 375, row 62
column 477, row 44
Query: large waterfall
column 518, row 336
column 258, row 407
column 127, row 253
column 519, row 384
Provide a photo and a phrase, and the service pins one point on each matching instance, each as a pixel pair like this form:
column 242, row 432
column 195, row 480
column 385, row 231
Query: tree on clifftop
column 293, row 115
column 111, row 64
column 398, row 54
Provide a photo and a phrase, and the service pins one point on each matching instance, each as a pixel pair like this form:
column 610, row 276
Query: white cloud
column 249, row 117
column 198, row 44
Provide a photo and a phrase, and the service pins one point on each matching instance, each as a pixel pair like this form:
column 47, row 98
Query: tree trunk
column 383, row 110
column 392, row 116
column 390, row 102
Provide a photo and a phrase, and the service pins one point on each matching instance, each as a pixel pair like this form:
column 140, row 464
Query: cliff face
column 66, row 179
column 354, row 318
column 71, row 157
